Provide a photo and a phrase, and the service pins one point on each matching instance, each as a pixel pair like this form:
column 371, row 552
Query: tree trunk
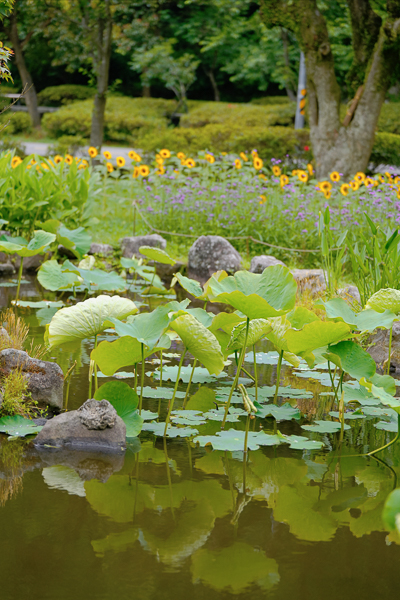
column 102, row 69
column 30, row 94
column 285, row 41
column 210, row 75
column 146, row 91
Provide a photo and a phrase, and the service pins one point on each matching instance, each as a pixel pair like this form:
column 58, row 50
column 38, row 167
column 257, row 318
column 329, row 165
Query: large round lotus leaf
column 225, row 321
column 337, row 308
column 126, row 351
column 52, row 277
column 352, row 359
column 190, row 285
column 200, row 342
column 146, row 328
column 156, row 254
column 78, row 240
column 391, row 511
column 235, row 568
column 385, row 299
column 270, row 294
column 369, row 320
column 87, row 318
column 300, row 316
column 38, row 243
column 258, row 328
column 125, row 401
column 315, row 335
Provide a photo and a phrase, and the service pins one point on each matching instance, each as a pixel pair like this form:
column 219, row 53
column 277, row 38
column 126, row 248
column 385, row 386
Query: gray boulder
column 211, row 253
column 378, row 346
column 130, row 245
column 45, row 379
column 102, row 249
column 259, row 263
column 95, row 426
column 31, row 263
column 310, row 279
column 350, row 292
column 6, row 267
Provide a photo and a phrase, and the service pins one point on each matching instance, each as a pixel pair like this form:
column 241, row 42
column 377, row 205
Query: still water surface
column 169, row 520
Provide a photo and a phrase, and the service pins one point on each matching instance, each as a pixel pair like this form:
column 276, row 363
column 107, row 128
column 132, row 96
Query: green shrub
column 68, row 144
column 386, row 149
column 266, row 100
column 64, row 94
column 17, row 122
column 269, row 141
column 389, row 119
column 125, row 118
column 248, row 115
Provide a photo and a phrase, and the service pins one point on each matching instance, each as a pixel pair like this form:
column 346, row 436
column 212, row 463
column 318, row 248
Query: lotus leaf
column 391, row 511
column 156, row 254
column 258, row 328
column 190, row 285
column 172, row 432
column 52, row 277
column 385, row 299
column 300, row 316
column 19, row 246
column 77, row 240
column 388, row 426
column 39, row 304
column 233, row 440
column 298, row 442
column 352, row 359
column 337, row 308
column 270, row 294
column 382, row 394
column 325, row 426
column 200, row 342
column 280, row 413
column 315, row 335
column 17, row 426
column 347, row 415
column 87, row 318
column 200, row 375
column 369, row 320
column 125, row 401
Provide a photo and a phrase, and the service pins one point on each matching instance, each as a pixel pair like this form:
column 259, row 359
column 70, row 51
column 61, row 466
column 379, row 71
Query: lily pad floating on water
column 233, row 440
column 12, row 283
column 325, row 426
column 187, row 417
column 264, row 358
column 347, row 415
column 200, row 374
column 298, row 442
column 218, row 414
column 280, row 413
column 40, row 304
column 387, row 426
column 172, row 432
column 17, row 426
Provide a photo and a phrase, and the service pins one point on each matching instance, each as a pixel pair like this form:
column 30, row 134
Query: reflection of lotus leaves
column 115, row 542
column 64, row 478
column 234, row 568
column 211, row 463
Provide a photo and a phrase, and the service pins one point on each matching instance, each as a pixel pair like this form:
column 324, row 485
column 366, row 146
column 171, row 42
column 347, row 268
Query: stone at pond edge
column 310, row 279
column 130, row 245
column 45, row 379
column 211, row 253
column 101, row 249
column 350, row 292
column 95, row 426
column 259, row 263
column 379, row 346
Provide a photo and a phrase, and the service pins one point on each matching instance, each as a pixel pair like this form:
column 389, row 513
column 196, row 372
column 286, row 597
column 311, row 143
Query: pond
column 173, row 519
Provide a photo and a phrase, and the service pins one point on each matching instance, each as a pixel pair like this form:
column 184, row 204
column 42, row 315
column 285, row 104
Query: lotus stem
column 95, row 366
column 189, row 384
column 135, row 377
column 394, row 440
column 19, row 278
column 161, row 365
column 239, row 367
column 246, row 435
column 169, row 478
column 68, row 379
column 390, row 349
column 255, row 373
column 91, row 365
column 171, row 402
column 141, row 381
column 278, row 375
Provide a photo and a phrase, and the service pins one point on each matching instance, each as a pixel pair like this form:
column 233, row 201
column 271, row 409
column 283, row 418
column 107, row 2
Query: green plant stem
column 19, row 278
column 246, row 435
column 67, row 379
column 141, row 381
column 331, row 378
column 171, row 402
column 189, row 384
column 390, row 349
column 135, row 377
column 161, row 366
column 278, row 375
column 95, row 366
column 394, row 440
column 239, row 368
column 255, row 373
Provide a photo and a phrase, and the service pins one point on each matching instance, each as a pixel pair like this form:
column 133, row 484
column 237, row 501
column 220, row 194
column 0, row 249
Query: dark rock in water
column 31, row 263
column 259, row 263
column 379, row 347
column 93, row 426
column 45, row 379
column 88, row 465
column 130, row 245
column 310, row 279
column 211, row 253
column 63, row 251
column 166, row 272
column 6, row 268
column 101, row 249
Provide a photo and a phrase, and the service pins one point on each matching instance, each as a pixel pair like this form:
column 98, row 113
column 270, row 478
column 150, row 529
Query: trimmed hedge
column 17, row 122
column 248, row 115
column 58, row 95
column 386, row 149
column 266, row 100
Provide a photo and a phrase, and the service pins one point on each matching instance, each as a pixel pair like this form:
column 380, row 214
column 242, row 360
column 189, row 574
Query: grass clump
column 16, row 398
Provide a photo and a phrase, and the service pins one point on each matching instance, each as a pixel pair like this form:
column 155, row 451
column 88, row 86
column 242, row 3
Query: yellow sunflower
column 335, row 176
column 294, row 172
column 85, row 163
column 327, row 194
column 159, row 160
column 310, row 169
column 92, row 152
column 345, row 188
column 160, row 171
column 58, row 159
column 398, row 193
column 107, row 155
column 120, row 161
column 224, row 153
column 389, row 177
column 210, row 158
column 254, row 153
column 381, row 178
column 302, row 175
column 16, row 160
column 243, row 156
column 132, row 155
column 354, row 185
column 325, row 186
column 368, row 181
column 284, row 180
column 276, row 170
column 360, row 176
column 165, row 153
column 262, row 176
column 257, row 163
column 135, row 172
column 110, row 168
column 182, row 155
column 263, row 199
column 238, row 163
column 397, row 180
column 189, row 162
column 69, row 159
column 138, row 158
column 144, row 170
column 44, row 166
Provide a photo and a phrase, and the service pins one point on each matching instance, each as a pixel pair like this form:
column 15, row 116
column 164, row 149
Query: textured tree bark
column 285, row 41
column 30, row 94
column 210, row 75
column 102, row 55
column 146, row 91
column 338, row 147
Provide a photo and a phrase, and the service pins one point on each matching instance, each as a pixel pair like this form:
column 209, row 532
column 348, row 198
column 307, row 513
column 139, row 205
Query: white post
column 301, row 93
